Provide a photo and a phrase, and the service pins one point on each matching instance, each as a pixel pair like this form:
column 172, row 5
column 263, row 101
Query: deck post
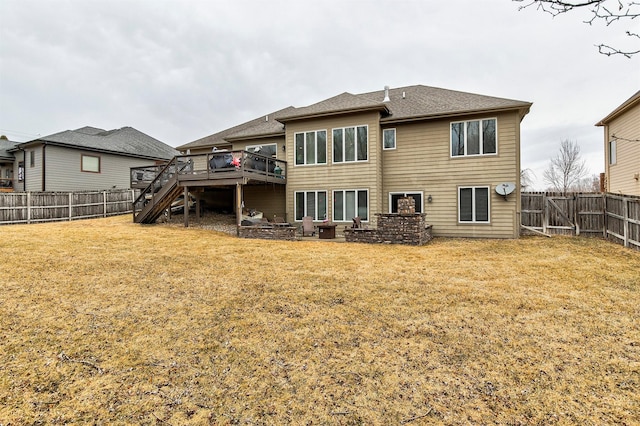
column 185, row 207
column 238, row 204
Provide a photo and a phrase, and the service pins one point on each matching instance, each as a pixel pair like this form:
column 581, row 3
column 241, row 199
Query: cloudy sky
column 181, row 70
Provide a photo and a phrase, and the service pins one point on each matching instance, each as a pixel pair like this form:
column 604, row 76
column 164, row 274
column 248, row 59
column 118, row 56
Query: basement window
column 473, row 204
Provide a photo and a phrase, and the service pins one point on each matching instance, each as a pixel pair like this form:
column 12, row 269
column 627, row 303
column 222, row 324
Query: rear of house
column 356, row 155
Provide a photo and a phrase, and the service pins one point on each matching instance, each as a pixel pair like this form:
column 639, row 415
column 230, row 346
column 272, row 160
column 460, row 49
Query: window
column 395, row 196
column 473, row 138
column 389, row 139
column 350, row 144
column 269, row 150
column 21, row 171
column 612, row 152
column 473, row 204
column 32, row 158
column 311, row 147
column 349, row 204
column 311, row 203
column 90, row 163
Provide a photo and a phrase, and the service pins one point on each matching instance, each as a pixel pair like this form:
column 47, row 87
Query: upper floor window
column 612, row 152
column 311, row 147
column 32, row 158
column 389, row 139
column 473, row 204
column 90, row 163
column 350, row 144
column 476, row 137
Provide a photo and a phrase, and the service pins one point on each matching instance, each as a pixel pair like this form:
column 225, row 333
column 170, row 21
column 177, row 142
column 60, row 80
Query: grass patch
column 109, row 322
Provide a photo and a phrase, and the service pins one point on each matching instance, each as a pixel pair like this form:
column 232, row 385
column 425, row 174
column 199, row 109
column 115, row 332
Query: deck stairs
column 159, row 195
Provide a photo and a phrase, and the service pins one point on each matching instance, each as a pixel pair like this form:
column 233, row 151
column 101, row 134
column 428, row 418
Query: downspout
column 44, row 168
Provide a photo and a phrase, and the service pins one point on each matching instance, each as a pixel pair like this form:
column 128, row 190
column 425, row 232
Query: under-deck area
column 233, row 170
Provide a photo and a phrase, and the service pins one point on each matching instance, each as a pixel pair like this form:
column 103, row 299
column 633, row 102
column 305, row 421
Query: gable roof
column 405, row 104
column 626, row 105
column 125, row 141
column 5, row 146
column 261, row 127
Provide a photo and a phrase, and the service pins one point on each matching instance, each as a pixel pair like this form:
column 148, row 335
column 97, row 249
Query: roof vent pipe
column 266, row 118
column 386, row 94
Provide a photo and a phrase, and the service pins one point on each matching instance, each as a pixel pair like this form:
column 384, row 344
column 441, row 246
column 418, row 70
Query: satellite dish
column 505, row 189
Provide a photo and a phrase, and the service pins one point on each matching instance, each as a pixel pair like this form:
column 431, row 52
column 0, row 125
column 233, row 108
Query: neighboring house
column 85, row 159
column 6, row 164
column 356, row 155
column 622, row 147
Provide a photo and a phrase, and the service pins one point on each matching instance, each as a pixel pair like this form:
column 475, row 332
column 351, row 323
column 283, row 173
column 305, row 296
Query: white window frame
column 356, row 152
column 84, row 167
column 384, row 139
column 480, row 136
column 613, row 154
column 473, row 205
column 316, row 214
column 304, row 146
column 404, row 194
column 250, row 148
column 348, row 217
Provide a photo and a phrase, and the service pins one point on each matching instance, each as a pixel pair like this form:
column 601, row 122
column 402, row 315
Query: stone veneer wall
column 394, row 228
column 268, row 233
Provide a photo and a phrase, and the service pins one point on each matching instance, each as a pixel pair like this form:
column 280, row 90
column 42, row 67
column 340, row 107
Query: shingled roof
column 125, row 141
column 5, row 146
column 405, row 104
column 263, row 126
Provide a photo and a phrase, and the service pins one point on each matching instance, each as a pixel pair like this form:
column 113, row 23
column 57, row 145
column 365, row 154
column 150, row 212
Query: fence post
column 104, row 203
column 29, row 207
column 545, row 213
column 70, row 206
column 625, row 213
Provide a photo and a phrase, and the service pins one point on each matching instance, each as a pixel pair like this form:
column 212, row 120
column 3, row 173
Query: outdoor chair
column 307, row 226
column 357, row 223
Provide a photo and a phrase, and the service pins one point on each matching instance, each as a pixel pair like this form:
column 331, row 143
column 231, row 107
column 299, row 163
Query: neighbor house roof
column 125, row 141
column 404, row 104
column 626, row 105
column 5, row 146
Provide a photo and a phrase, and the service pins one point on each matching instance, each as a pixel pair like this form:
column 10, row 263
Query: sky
column 182, row 70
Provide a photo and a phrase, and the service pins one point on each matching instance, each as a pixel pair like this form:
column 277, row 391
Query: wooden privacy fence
column 33, row 207
column 612, row 216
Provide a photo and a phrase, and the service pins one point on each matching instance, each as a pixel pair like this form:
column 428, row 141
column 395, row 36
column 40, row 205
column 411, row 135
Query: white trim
column 395, row 139
column 481, row 142
column 295, row 149
column 473, row 205
column 355, row 127
column 346, row 219
column 404, row 194
column 316, row 192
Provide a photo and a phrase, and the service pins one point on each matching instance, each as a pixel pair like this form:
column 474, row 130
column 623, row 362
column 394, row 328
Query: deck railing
column 6, row 184
column 215, row 165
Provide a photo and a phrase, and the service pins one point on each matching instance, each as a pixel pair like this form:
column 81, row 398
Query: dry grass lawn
column 109, row 322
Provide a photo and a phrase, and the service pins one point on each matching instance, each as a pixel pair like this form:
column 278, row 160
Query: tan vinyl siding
column 340, row 176
column 64, row 170
column 621, row 175
column 270, row 199
column 422, row 162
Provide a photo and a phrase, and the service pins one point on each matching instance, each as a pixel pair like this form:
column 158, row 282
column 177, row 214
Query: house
column 85, row 159
column 356, row 155
column 6, row 164
column 622, row 147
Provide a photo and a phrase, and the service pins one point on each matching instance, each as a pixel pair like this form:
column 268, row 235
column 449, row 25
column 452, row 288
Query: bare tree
column 567, row 169
column 607, row 11
column 526, row 179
